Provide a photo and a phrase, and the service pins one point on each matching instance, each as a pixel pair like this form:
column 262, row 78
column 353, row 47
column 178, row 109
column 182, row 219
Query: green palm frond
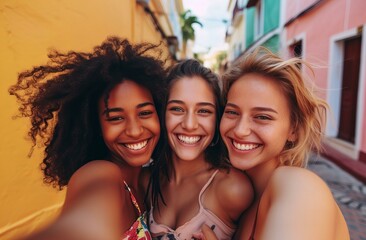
column 187, row 21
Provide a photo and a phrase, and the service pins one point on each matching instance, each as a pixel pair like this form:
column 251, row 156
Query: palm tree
column 187, row 20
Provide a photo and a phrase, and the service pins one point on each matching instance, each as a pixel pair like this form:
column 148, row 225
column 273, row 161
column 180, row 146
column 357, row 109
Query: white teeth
column 189, row 140
column 245, row 147
column 136, row 146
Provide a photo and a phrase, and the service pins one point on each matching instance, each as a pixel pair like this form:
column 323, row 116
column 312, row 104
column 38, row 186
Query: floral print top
column 139, row 229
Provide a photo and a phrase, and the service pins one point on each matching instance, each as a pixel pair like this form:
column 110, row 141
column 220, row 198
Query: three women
column 100, row 110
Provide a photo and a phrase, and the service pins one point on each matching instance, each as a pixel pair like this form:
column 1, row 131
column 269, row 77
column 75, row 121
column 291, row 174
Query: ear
column 292, row 136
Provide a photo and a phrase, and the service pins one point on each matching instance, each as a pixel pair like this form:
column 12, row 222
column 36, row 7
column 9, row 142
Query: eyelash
column 204, row 111
column 176, row 109
column 145, row 113
column 263, row 117
column 111, row 119
column 231, row 112
column 200, row 111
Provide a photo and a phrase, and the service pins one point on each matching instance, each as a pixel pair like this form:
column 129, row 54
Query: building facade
column 329, row 34
column 28, row 30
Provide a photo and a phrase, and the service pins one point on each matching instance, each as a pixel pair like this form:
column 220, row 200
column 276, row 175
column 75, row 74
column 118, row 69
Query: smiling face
column 130, row 126
column 190, row 118
column 256, row 122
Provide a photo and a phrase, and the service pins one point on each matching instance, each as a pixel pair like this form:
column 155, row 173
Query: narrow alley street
column 348, row 192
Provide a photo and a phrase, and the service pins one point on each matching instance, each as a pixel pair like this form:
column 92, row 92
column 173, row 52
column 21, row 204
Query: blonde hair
column 308, row 112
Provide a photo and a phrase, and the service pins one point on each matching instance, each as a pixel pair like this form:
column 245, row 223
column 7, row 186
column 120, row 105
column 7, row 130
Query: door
column 350, row 79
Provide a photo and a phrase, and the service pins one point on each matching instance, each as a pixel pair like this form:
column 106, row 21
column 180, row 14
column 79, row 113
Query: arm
column 232, row 195
column 93, row 206
column 297, row 204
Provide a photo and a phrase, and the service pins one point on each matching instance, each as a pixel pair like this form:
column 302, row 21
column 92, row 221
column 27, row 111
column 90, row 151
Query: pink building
column 332, row 35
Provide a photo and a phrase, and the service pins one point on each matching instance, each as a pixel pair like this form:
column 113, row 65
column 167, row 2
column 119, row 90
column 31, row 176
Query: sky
column 211, row 14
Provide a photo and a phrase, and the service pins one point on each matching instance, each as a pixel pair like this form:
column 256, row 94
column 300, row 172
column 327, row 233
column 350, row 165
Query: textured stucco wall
column 28, row 29
column 318, row 26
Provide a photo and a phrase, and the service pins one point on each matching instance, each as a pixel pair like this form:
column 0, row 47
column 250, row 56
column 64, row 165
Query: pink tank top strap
column 206, row 186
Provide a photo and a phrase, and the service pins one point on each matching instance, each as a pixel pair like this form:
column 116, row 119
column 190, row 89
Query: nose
column 190, row 121
column 134, row 128
column 243, row 127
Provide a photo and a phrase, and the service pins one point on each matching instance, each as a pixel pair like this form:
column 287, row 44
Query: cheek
column 171, row 121
column 209, row 123
column 224, row 126
column 156, row 126
column 109, row 132
column 276, row 136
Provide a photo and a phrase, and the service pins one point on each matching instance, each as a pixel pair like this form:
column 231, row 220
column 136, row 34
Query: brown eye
column 204, row 111
column 145, row 113
column 231, row 112
column 176, row 109
column 263, row 117
column 117, row 118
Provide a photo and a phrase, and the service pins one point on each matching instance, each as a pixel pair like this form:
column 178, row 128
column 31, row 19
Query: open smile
column 245, row 146
column 188, row 139
column 136, row 146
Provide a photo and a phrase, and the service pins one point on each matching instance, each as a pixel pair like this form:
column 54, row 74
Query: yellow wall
column 28, row 29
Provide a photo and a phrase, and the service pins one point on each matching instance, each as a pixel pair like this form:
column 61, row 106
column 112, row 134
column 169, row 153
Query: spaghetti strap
column 133, row 199
column 205, row 187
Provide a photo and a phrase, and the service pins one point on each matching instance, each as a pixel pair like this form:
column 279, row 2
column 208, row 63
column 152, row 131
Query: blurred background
column 330, row 34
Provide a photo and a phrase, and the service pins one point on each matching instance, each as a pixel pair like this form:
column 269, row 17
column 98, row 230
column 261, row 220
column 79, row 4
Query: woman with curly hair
column 97, row 115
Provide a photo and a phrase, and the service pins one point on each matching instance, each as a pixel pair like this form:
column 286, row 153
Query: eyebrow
column 199, row 104
column 141, row 105
column 264, row 109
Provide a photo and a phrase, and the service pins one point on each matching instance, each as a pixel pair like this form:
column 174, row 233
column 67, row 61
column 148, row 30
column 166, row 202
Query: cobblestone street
column 349, row 193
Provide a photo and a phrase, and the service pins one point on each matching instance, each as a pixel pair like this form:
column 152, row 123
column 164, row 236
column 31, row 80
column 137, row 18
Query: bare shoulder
column 296, row 182
column 95, row 171
column 92, row 177
column 311, row 211
column 235, row 189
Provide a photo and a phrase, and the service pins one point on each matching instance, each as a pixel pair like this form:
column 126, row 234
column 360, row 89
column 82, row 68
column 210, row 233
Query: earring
column 290, row 144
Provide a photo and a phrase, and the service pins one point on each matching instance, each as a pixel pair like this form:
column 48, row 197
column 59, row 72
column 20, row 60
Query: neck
column 183, row 169
column 261, row 174
column 130, row 174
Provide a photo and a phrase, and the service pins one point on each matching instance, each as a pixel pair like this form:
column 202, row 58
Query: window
column 258, row 22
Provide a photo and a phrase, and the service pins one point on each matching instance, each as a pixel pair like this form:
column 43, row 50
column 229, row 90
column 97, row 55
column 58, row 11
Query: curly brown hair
column 61, row 97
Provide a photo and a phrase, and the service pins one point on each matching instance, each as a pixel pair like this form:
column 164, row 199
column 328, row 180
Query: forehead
column 257, row 89
column 128, row 93
column 192, row 89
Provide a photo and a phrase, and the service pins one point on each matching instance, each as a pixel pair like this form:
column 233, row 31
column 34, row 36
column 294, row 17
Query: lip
column 137, row 146
column 188, row 140
column 243, row 147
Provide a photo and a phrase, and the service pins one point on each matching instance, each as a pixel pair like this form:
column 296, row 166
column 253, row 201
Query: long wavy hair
column 215, row 153
column 61, row 100
column 308, row 112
